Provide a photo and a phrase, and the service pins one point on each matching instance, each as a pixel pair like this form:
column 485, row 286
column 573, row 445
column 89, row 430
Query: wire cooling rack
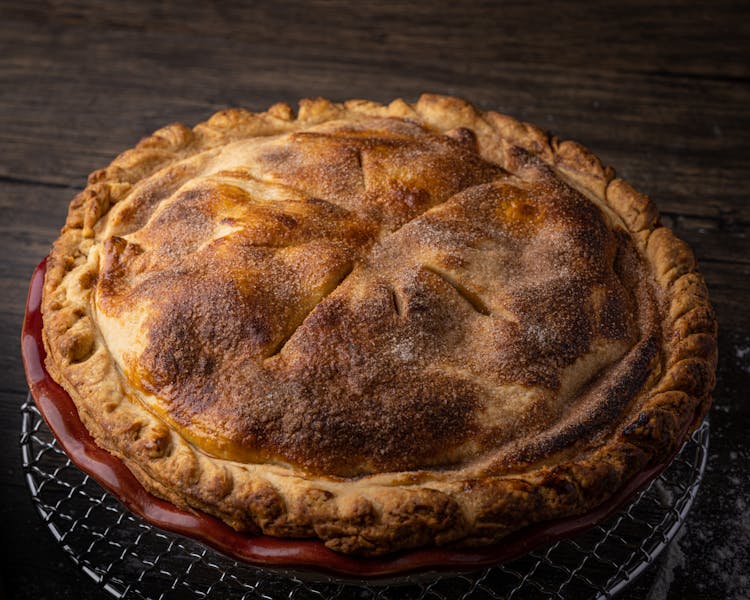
column 129, row 558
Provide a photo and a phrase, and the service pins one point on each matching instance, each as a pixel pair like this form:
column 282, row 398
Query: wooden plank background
column 660, row 90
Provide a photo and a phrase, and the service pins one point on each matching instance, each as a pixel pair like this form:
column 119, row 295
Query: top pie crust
column 384, row 326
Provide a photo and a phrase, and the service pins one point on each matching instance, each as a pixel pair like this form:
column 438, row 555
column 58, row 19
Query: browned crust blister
column 372, row 516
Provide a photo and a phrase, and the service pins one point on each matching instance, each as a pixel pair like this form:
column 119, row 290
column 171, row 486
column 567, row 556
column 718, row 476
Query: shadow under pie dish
column 385, row 327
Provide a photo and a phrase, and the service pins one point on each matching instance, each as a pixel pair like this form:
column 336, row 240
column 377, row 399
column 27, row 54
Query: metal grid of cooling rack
column 129, row 558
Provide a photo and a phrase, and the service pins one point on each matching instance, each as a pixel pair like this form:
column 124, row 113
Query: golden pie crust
column 384, row 326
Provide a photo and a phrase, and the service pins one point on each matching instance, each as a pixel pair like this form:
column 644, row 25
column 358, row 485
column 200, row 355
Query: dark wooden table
column 659, row 90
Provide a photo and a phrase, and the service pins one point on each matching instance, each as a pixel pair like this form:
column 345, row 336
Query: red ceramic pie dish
column 300, row 555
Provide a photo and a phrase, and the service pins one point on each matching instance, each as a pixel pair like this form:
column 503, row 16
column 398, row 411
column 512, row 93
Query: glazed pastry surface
column 384, row 326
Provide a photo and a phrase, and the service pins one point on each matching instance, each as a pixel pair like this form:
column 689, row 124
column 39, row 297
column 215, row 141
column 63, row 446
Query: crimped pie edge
column 355, row 516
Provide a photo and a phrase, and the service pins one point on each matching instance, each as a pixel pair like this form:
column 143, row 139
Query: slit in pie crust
column 383, row 326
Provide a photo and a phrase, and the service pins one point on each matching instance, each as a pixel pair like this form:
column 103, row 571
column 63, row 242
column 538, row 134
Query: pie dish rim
column 306, row 558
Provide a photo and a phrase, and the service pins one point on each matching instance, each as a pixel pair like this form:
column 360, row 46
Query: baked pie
column 386, row 327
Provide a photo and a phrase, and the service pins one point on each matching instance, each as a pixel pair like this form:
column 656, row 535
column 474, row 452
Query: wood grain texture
column 660, row 90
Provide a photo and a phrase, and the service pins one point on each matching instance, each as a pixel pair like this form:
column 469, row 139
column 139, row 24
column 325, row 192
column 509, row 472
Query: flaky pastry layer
column 384, row 326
